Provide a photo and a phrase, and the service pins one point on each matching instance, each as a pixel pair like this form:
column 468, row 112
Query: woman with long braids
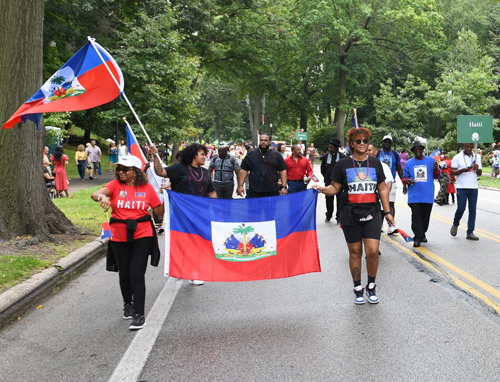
column 361, row 179
column 130, row 196
column 189, row 176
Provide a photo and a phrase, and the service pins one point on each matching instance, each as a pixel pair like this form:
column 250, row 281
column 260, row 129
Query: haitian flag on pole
column 82, row 83
column 133, row 146
column 242, row 240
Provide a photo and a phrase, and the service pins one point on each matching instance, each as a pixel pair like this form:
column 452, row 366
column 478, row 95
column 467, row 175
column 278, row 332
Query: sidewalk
column 77, row 185
column 28, row 294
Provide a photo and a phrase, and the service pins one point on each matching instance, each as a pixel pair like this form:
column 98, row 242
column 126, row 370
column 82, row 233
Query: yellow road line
column 494, row 292
column 444, row 219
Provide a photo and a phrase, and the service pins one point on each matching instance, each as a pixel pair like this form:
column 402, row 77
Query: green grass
column 486, row 181
column 15, row 268
column 83, row 212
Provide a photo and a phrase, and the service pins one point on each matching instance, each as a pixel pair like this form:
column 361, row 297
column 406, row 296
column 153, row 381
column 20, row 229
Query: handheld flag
column 133, row 146
column 436, row 153
column 315, row 178
column 106, row 230
column 234, row 241
column 81, row 83
column 405, row 236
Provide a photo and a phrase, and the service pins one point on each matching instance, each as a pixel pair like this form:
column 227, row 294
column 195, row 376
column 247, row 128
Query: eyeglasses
column 123, row 169
column 358, row 141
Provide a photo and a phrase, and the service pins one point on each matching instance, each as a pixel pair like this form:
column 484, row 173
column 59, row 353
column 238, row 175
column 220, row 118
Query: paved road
column 437, row 319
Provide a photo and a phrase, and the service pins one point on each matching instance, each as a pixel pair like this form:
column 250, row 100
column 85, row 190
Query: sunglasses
column 123, row 169
column 358, row 141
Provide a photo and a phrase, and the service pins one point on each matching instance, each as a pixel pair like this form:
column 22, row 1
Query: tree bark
column 329, row 113
column 217, row 125
column 342, row 99
column 26, row 206
column 254, row 120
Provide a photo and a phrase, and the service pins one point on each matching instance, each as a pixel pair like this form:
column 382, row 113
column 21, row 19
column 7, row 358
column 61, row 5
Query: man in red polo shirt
column 297, row 167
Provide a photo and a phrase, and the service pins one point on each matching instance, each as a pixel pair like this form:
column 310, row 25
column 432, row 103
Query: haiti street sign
column 474, row 129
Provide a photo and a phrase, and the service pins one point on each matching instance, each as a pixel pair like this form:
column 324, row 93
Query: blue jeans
column 465, row 195
column 296, row 186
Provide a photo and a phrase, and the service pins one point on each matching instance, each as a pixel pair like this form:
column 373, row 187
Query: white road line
column 134, row 359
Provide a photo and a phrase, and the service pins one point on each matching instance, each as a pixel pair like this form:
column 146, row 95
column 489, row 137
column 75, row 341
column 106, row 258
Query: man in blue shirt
column 418, row 181
column 391, row 158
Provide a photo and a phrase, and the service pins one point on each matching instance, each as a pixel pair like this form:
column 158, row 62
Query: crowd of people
column 360, row 178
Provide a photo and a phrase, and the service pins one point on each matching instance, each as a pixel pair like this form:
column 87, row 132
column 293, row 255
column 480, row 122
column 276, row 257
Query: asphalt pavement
column 437, row 319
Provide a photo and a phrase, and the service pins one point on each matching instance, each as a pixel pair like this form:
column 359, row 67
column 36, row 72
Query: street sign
column 301, row 136
column 474, row 129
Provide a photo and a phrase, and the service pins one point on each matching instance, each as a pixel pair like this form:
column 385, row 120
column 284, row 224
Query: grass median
column 24, row 256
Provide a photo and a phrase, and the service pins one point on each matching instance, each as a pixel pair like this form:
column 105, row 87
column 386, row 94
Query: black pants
column 329, row 206
column 224, row 190
column 420, row 217
column 132, row 260
column 253, row 194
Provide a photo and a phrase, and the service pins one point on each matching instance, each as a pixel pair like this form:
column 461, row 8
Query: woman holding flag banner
column 133, row 236
column 189, row 176
column 361, row 178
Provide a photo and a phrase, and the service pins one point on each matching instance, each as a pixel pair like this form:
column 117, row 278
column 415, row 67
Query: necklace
column 194, row 174
column 359, row 163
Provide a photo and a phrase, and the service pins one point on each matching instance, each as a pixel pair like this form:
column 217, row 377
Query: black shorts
column 366, row 230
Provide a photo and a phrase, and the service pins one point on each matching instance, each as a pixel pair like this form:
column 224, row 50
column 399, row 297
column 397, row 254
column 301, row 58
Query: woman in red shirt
column 130, row 196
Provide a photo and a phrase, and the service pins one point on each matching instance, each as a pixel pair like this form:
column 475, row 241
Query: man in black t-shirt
column 328, row 162
column 265, row 167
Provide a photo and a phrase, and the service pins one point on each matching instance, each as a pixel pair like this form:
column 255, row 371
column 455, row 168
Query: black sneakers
column 138, row 322
column 128, row 311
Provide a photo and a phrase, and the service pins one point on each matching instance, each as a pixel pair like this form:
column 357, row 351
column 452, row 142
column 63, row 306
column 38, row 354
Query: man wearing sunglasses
column 391, row 158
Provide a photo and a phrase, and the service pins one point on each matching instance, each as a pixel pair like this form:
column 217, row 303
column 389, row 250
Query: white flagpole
column 166, row 227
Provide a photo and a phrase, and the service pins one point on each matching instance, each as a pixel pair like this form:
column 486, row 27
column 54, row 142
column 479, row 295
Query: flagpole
column 122, row 93
column 356, row 118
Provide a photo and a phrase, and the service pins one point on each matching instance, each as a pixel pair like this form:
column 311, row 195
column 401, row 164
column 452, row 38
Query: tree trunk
column 26, row 206
column 329, row 113
column 217, row 125
column 254, row 120
column 256, row 116
column 342, row 92
column 303, row 122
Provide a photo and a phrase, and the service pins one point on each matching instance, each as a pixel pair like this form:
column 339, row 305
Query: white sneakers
column 196, row 282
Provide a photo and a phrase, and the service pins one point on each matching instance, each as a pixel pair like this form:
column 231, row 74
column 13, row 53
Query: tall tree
column 26, row 207
column 352, row 35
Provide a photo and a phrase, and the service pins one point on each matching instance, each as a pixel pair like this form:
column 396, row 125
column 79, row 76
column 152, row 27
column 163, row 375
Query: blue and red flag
column 133, row 145
column 405, row 236
column 81, row 83
column 105, row 230
column 242, row 240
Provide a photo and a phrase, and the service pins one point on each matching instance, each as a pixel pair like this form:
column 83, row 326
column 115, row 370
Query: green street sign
column 301, row 136
column 474, row 129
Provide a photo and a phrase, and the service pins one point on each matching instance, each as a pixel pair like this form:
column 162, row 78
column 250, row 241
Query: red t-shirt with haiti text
column 131, row 202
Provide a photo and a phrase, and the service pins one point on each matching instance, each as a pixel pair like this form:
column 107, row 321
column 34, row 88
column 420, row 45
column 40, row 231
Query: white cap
column 129, row 161
column 387, row 137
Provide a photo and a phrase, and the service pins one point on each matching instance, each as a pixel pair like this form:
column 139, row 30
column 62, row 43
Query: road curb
column 27, row 294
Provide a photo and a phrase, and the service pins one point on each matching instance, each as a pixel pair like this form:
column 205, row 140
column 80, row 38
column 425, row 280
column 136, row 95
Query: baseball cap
column 129, row 161
column 387, row 137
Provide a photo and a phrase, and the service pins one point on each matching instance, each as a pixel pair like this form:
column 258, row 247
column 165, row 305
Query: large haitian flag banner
column 243, row 239
column 81, row 83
